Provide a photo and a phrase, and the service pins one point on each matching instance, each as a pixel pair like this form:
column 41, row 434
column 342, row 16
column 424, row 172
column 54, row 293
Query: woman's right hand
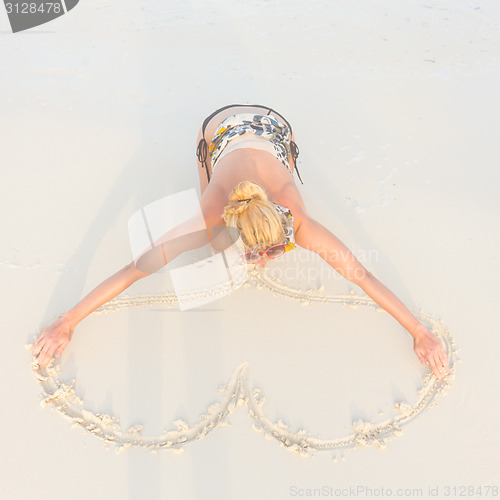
column 52, row 341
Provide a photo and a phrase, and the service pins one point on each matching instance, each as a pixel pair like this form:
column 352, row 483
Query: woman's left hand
column 430, row 351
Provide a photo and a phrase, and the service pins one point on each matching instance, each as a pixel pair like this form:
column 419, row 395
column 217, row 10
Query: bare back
column 246, row 164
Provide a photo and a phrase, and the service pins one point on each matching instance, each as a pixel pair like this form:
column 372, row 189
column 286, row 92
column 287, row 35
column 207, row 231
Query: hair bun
column 234, row 209
column 243, row 195
column 247, row 190
column 255, row 216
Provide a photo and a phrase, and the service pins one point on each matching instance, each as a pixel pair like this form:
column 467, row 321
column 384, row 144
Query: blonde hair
column 254, row 215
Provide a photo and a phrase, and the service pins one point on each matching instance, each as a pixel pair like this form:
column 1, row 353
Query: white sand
column 395, row 110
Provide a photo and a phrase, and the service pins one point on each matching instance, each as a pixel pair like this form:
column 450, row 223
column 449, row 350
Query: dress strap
column 295, row 153
column 201, row 153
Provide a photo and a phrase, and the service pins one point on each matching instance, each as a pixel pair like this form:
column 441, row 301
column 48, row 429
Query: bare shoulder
column 291, row 198
column 212, row 204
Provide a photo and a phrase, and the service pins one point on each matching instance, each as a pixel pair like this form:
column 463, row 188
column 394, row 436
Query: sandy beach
column 395, row 109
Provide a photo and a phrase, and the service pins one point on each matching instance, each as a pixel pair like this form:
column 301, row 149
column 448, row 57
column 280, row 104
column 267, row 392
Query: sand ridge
column 239, row 390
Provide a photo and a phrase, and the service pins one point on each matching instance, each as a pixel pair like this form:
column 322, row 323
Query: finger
column 60, row 350
column 37, row 350
column 45, row 355
column 437, row 372
column 442, row 354
column 444, row 363
column 443, row 359
column 433, row 365
column 437, row 367
column 41, row 359
column 40, row 336
column 41, row 340
column 421, row 358
column 37, row 346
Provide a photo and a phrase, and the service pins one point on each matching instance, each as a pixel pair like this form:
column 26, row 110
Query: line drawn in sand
column 239, row 391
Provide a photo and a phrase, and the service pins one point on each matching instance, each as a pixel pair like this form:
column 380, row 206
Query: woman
column 246, row 179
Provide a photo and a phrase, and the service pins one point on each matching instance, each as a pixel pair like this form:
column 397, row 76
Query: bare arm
column 107, row 290
column 54, row 339
column 311, row 235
